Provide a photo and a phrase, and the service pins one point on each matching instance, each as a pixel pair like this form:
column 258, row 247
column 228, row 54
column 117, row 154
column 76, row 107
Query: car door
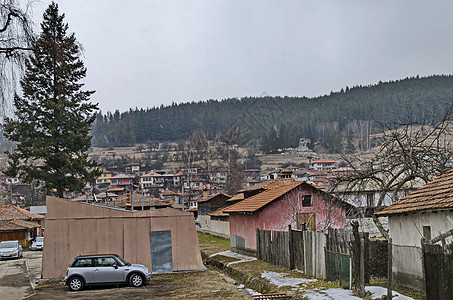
column 107, row 270
column 84, row 267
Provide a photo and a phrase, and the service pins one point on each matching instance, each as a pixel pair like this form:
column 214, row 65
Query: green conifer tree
column 53, row 116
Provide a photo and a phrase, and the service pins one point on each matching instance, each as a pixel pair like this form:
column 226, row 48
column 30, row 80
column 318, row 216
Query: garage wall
column 74, row 229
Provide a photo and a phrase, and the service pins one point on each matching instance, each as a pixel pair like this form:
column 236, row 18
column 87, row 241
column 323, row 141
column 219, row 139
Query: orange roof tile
column 219, row 213
column 212, row 196
column 115, row 189
column 434, row 196
column 258, row 201
column 266, row 184
column 323, row 160
column 11, row 212
column 237, row 197
column 18, row 225
column 168, row 193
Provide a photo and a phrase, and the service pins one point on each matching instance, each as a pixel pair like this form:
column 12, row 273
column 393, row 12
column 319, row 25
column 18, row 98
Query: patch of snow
column 376, row 293
column 280, row 279
column 330, row 294
column 247, row 291
column 241, row 257
column 379, row 291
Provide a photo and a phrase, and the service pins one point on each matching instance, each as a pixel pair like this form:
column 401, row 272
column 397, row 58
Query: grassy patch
column 211, row 244
column 225, row 259
column 198, row 285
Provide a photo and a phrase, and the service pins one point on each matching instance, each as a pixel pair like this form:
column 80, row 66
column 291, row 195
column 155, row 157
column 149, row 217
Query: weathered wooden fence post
column 389, row 270
column 291, row 250
column 258, row 243
column 362, row 266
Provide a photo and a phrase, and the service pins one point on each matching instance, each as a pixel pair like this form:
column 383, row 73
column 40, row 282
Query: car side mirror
column 115, row 266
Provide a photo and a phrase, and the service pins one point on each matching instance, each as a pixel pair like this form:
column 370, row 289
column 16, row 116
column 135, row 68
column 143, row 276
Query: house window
column 370, row 199
column 307, row 200
column 427, row 232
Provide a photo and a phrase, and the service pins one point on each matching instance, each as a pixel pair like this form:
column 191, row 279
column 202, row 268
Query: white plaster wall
column 221, row 227
column 205, row 222
column 408, row 229
column 406, row 232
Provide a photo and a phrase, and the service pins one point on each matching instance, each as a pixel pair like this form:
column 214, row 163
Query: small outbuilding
column 423, row 214
column 164, row 240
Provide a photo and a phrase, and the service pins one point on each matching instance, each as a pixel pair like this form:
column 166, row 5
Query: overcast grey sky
column 147, row 53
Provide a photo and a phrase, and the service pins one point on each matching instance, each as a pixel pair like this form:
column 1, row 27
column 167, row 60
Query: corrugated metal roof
column 258, row 201
column 435, row 195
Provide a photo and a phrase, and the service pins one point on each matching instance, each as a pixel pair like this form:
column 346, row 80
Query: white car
column 38, row 243
column 10, row 249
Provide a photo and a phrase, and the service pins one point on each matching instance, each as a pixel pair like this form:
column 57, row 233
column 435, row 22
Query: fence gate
column 338, row 267
column 438, row 267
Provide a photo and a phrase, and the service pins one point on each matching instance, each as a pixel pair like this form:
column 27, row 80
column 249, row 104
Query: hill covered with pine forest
column 279, row 122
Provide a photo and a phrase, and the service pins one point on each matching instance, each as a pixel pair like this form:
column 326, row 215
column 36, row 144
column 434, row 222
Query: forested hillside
column 280, row 121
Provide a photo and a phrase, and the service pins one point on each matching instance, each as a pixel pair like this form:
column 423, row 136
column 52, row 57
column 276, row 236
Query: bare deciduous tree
column 16, row 37
column 410, row 153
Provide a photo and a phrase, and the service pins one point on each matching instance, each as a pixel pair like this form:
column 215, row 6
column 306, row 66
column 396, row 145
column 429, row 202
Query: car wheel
column 76, row 283
column 136, row 280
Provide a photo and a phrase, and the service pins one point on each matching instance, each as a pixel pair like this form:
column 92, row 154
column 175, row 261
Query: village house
column 104, row 179
column 283, row 202
column 19, row 224
column 322, row 164
column 252, row 173
column 122, row 181
column 132, row 169
column 208, row 205
column 423, row 214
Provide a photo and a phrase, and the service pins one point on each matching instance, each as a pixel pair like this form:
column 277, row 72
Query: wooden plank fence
column 308, row 250
column 272, row 247
column 315, row 261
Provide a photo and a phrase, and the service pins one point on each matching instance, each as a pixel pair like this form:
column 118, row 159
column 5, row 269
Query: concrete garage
column 165, row 240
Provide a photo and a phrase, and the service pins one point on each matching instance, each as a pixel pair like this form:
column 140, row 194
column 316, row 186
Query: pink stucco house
column 284, row 202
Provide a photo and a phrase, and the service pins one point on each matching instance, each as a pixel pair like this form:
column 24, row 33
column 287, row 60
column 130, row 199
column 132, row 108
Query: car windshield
column 40, row 239
column 8, row 244
column 123, row 261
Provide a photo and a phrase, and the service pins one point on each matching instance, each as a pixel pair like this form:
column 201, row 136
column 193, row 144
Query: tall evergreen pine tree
column 53, row 117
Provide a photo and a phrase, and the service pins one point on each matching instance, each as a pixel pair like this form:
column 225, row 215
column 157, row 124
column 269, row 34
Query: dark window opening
column 427, row 232
column 307, row 200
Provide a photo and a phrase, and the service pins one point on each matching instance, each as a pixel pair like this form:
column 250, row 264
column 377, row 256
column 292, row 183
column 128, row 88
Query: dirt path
column 208, row 284
column 14, row 281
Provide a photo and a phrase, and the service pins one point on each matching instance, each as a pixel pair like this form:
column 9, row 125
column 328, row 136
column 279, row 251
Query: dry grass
column 199, row 285
column 210, row 244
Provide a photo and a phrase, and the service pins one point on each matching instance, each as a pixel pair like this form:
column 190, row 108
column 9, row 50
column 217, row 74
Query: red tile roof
column 207, row 187
column 237, row 197
column 434, row 196
column 205, row 199
column 219, row 213
column 260, row 200
column 323, row 160
column 168, row 193
column 265, row 185
column 11, row 212
column 17, row 225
